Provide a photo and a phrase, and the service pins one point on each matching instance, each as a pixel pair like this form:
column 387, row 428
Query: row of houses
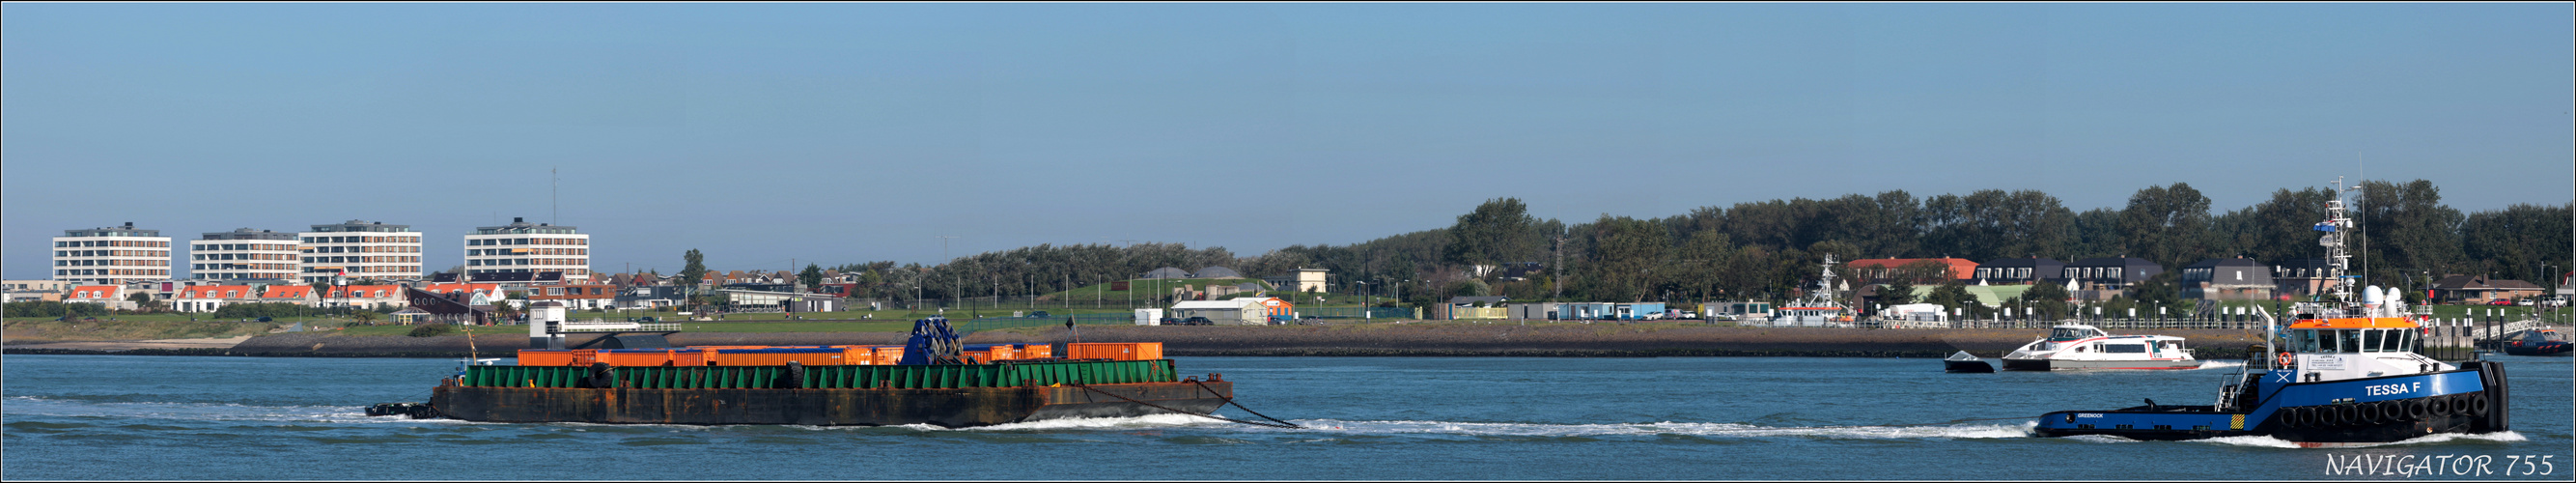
column 2236, row 278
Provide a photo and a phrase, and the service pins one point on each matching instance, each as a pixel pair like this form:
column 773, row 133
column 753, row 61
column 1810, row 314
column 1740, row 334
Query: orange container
column 584, row 357
column 730, row 358
column 632, row 358
column 887, row 355
column 1034, row 351
column 542, row 357
column 1116, row 351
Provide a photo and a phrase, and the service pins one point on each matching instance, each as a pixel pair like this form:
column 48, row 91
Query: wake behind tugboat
column 2346, row 372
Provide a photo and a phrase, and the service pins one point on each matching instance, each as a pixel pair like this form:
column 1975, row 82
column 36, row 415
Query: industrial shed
column 1242, row 311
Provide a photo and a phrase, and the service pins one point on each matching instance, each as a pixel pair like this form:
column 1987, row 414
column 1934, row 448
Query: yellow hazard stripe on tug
column 2236, row 422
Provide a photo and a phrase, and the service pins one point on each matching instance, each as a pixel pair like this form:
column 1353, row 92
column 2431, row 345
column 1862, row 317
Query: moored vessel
column 2537, row 342
column 1965, row 363
column 2078, row 346
column 2343, row 372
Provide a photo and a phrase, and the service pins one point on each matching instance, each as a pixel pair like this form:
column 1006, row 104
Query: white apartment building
column 524, row 247
column 244, row 254
column 114, row 255
column 361, row 250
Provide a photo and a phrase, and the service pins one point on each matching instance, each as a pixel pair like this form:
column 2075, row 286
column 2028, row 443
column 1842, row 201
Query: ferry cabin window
column 2125, row 348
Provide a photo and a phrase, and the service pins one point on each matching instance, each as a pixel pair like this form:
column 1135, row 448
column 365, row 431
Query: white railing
column 569, row 327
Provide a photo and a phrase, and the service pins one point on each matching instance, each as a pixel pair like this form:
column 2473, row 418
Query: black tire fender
column 2479, row 405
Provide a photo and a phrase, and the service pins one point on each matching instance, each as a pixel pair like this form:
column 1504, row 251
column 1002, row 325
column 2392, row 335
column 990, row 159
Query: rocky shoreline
column 1416, row 340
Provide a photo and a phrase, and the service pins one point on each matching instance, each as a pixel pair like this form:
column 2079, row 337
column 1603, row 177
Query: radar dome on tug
column 2370, row 295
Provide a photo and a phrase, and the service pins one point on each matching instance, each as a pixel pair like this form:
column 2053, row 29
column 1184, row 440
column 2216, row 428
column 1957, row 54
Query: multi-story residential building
column 244, row 254
column 524, row 247
column 114, row 255
column 361, row 250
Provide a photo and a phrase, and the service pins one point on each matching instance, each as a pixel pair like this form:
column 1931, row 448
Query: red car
column 2500, row 302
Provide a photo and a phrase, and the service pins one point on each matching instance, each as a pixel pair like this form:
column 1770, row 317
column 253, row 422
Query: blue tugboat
column 2342, row 373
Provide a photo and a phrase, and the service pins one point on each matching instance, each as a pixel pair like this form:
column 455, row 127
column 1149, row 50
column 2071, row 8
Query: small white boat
column 2077, row 346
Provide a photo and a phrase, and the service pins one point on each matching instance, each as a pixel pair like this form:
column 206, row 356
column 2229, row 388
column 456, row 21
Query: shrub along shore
column 1411, row 339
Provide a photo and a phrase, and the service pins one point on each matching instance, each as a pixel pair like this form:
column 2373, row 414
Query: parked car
column 1198, row 321
column 2500, row 302
column 2524, row 302
column 1170, row 321
column 1039, row 314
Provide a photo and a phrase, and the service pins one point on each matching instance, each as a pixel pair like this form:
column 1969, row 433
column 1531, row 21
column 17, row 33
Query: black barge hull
column 952, row 407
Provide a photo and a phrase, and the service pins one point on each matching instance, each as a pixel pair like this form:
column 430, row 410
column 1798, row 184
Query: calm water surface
column 132, row 417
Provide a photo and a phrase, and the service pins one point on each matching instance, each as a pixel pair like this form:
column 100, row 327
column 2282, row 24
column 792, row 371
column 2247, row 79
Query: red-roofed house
column 365, row 296
column 112, row 296
column 290, row 294
column 1880, row 270
column 207, row 298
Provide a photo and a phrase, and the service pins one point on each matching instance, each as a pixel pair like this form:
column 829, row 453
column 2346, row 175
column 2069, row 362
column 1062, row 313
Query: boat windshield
column 2062, row 334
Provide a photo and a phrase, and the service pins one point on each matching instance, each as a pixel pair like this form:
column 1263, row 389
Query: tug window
column 2371, row 340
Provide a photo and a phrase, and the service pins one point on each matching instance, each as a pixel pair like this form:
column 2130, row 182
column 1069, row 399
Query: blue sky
column 853, row 132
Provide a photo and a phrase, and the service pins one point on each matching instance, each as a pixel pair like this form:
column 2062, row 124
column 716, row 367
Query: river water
column 139, row 417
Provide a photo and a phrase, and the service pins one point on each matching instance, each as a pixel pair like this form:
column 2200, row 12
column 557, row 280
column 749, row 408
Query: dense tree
column 2165, row 225
column 811, row 277
column 1897, row 291
column 695, row 272
column 1498, row 231
column 2095, row 233
column 1953, row 295
column 2406, row 232
column 2516, row 242
column 1626, row 252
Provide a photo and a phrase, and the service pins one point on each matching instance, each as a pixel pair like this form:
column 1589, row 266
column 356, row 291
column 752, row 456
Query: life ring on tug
column 2284, row 359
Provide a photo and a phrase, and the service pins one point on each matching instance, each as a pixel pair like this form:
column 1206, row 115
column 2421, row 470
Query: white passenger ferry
column 2077, row 346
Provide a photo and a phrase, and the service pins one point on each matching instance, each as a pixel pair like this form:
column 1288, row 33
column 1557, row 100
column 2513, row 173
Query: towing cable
column 1228, row 400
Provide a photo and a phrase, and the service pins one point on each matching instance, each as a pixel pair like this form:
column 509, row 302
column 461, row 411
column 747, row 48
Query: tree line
column 1771, row 250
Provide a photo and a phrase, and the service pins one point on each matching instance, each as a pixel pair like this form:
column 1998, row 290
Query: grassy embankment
column 25, row 331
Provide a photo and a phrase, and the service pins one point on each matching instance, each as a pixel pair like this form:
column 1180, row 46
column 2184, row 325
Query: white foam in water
column 2271, row 442
column 1663, row 428
column 2221, row 364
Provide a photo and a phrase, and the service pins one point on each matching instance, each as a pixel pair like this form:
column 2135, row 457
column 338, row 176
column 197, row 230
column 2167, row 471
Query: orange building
column 1880, row 270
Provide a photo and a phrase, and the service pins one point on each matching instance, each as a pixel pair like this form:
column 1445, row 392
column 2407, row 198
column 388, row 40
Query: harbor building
column 2227, row 279
column 114, row 255
column 522, row 247
column 244, row 254
column 361, row 250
